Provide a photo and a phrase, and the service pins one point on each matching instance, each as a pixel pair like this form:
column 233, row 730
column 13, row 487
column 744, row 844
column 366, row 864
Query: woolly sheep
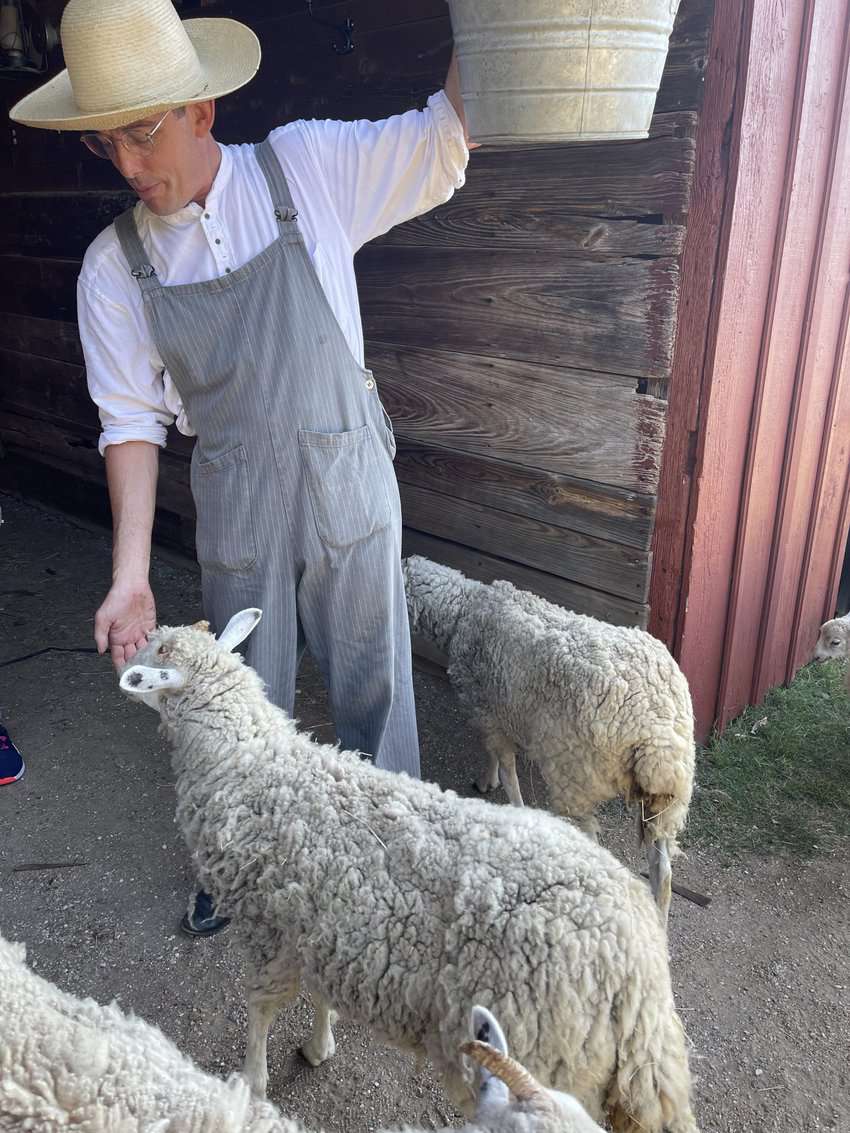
column 71, row 1063
column 834, row 642
column 397, row 903
column 603, row 711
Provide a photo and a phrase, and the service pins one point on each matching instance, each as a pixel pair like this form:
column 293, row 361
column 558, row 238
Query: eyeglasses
column 134, row 139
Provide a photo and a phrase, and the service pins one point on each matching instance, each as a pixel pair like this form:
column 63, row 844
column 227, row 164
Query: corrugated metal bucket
column 560, row 70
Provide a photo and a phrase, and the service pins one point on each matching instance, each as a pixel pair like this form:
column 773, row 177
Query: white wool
column 70, row 1064
column 602, row 710
column 399, row 905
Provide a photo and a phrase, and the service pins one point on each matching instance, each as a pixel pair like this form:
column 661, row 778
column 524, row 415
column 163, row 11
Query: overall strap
column 141, row 268
column 284, row 209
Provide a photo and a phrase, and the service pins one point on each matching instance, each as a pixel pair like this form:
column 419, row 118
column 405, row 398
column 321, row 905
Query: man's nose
column 128, row 164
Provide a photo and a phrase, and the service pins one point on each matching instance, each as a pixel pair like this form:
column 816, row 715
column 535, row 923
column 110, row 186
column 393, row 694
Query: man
column 226, row 299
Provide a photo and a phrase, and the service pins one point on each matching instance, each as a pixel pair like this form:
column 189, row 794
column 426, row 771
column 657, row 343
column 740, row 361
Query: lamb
column 834, row 642
column 397, row 903
column 602, row 710
column 72, row 1063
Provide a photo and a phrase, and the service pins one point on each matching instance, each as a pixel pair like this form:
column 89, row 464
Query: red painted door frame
column 767, row 412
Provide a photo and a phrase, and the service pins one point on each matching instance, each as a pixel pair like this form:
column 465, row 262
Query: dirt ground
column 761, row 975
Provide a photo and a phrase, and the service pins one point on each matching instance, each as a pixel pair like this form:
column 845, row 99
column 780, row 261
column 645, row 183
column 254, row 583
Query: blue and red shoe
column 11, row 763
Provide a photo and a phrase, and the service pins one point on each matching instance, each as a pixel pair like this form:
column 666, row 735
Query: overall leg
column 272, row 649
column 352, row 607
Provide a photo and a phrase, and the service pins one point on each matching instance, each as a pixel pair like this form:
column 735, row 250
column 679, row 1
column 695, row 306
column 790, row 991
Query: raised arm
column 452, row 89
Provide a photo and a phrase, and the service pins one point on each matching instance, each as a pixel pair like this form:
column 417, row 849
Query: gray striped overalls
column 297, row 503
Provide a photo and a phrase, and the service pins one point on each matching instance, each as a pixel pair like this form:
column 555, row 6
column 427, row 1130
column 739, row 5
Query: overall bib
column 297, row 503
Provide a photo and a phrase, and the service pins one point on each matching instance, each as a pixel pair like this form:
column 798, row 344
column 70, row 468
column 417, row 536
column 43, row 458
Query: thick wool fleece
column 603, row 710
column 70, row 1064
column 401, row 905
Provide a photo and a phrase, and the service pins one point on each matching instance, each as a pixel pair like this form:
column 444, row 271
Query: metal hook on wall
column 342, row 43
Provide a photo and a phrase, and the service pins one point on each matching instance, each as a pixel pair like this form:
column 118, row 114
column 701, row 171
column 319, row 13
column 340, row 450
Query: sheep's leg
column 508, row 776
column 590, row 825
column 660, row 875
column 502, row 770
column 320, row 1046
column 490, row 780
column 263, row 1006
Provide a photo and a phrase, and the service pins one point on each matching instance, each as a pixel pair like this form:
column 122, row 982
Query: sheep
column 67, row 1063
column 602, row 710
column 834, row 642
column 396, row 903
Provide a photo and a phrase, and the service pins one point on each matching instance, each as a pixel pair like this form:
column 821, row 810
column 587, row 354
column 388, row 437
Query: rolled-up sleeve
column 380, row 174
column 125, row 384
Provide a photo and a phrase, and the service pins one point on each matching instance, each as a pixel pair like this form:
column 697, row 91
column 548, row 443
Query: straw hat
column 127, row 59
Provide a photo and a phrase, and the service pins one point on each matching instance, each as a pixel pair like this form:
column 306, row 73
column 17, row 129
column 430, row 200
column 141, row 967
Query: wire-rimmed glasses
column 134, row 139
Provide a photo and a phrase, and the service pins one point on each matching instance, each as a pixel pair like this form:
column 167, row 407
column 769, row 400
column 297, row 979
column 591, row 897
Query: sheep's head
column 500, row 1077
column 173, row 653
column 833, row 640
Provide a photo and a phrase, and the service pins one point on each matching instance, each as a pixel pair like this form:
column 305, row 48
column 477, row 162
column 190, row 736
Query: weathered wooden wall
column 521, row 335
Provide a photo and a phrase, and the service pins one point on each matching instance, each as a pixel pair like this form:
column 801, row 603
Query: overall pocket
column 346, row 483
column 224, row 536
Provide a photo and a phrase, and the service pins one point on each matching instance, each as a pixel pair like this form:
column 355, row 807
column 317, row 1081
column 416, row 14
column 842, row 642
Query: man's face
column 176, row 167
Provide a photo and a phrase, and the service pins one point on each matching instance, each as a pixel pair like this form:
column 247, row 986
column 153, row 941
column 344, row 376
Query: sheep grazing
column 71, row 1063
column 603, row 711
column 397, row 903
column 834, row 642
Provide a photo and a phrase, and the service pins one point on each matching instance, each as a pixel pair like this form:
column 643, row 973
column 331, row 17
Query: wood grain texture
column 477, row 564
column 615, row 317
column 577, row 423
column 599, row 510
column 618, row 570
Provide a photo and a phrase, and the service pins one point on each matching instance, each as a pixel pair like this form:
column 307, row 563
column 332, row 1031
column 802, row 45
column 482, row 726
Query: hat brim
column 229, row 55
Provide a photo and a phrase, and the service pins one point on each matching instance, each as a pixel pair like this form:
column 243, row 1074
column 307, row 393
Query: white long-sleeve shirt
column 350, row 182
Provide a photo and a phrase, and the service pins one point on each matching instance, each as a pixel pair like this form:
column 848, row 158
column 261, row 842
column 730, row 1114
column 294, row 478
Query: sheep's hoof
column 484, row 788
column 315, row 1055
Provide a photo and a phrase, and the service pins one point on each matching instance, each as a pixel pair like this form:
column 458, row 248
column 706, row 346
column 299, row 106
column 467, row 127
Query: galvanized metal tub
column 560, row 70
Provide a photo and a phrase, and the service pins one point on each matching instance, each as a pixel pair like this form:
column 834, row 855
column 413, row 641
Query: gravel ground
column 761, row 975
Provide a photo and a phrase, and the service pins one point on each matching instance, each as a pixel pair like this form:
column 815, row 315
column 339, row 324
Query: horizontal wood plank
column 45, row 288
column 575, row 422
column 56, row 224
column 597, row 510
column 476, row 564
column 44, row 386
column 611, row 567
column 615, row 317
column 45, row 338
column 63, row 224
column 480, row 217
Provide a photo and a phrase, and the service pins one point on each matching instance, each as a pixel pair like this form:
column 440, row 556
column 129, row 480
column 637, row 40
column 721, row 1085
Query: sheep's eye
column 836, row 642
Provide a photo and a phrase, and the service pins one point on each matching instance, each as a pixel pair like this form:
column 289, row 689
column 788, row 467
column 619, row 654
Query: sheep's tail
column 650, row 1091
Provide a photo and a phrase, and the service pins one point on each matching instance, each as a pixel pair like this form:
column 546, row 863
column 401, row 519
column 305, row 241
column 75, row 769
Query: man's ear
column 138, row 680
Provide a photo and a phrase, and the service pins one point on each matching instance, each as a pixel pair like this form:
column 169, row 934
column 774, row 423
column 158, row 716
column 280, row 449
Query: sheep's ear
column 139, row 680
column 239, row 626
column 493, row 1094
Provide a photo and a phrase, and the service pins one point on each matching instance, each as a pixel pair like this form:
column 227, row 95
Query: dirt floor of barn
column 761, row 975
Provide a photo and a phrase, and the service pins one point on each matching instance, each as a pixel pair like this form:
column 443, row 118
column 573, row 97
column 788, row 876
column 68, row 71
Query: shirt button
column 206, row 216
column 227, row 271
column 217, row 240
column 370, row 384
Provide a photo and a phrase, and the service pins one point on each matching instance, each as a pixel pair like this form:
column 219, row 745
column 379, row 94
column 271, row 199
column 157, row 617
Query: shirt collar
column 193, row 210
